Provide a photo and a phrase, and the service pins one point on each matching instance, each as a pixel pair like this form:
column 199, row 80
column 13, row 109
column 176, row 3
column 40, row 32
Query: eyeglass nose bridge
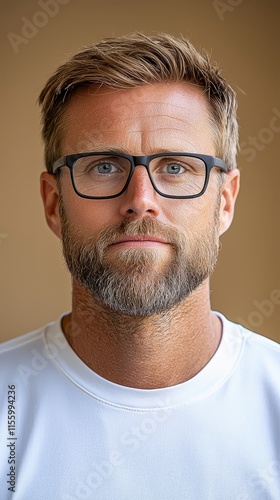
column 140, row 161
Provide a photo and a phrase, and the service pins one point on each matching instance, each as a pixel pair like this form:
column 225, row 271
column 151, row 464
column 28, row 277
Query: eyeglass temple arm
column 58, row 164
column 221, row 164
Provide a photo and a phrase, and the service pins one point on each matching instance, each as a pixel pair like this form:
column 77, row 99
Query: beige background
column 243, row 35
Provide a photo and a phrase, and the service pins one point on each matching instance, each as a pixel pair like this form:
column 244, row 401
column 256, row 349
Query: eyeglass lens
column 102, row 175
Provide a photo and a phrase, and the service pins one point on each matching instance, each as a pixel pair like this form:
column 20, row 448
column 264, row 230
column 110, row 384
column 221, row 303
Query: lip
column 139, row 241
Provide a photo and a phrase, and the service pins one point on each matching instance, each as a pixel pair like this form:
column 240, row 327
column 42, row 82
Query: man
column 141, row 392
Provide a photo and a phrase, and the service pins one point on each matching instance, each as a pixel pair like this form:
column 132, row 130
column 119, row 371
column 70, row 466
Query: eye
column 173, row 168
column 105, row 168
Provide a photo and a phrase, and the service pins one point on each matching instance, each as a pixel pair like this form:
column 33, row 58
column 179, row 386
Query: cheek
column 197, row 218
column 87, row 216
column 191, row 216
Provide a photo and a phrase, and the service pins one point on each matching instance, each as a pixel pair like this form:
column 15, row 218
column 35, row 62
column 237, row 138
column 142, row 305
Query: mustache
column 146, row 226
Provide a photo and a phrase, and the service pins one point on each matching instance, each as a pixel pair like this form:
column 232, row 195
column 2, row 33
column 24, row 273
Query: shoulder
column 258, row 354
column 12, row 346
column 252, row 339
column 26, row 342
column 27, row 354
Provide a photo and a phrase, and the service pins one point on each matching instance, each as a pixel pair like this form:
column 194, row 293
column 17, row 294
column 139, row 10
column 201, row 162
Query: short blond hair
column 131, row 61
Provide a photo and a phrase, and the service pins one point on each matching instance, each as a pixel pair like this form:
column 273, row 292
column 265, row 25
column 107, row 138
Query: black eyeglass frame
column 70, row 160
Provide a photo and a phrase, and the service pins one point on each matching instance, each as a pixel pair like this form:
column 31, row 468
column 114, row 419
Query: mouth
column 145, row 241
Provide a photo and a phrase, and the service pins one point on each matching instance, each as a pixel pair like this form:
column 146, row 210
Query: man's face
column 140, row 253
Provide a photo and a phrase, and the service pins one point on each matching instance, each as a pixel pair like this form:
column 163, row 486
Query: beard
column 138, row 282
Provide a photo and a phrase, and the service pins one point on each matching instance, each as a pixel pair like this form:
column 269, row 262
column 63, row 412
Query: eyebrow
column 120, row 150
column 104, row 147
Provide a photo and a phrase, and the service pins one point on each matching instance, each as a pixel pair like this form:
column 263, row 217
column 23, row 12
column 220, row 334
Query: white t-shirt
column 78, row 436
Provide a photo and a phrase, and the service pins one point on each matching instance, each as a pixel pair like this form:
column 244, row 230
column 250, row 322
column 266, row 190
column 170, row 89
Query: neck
column 144, row 352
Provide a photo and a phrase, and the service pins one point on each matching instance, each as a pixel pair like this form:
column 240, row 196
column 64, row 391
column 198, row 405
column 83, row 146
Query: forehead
column 151, row 116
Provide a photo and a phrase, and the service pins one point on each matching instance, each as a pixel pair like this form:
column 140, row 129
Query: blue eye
column 105, row 168
column 173, row 168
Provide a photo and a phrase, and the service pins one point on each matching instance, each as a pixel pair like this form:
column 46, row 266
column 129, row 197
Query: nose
column 140, row 198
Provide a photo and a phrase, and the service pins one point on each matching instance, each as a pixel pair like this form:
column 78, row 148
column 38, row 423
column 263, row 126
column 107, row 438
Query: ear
column 229, row 194
column 50, row 197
